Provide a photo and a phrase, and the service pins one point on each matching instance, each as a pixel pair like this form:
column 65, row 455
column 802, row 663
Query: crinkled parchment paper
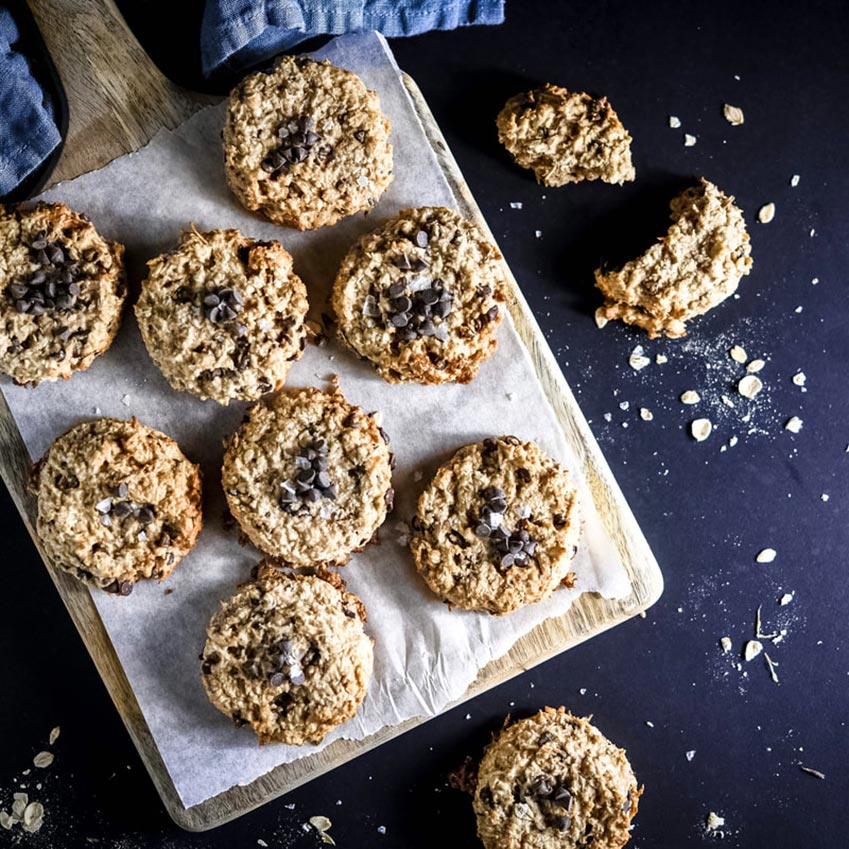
column 425, row 654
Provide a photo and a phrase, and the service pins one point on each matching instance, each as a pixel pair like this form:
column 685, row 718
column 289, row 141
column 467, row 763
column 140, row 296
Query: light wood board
column 118, row 100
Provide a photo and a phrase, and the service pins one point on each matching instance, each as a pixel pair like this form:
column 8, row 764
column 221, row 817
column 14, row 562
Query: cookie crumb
column 714, row 822
column 689, row 140
column 752, row 649
column 799, row 379
column 674, row 122
column 794, row 180
column 726, row 644
column 638, row 360
column 600, row 318
column 690, row 397
column 700, row 429
column 691, row 754
column 660, row 359
column 785, row 599
column 793, row 424
column 646, row 414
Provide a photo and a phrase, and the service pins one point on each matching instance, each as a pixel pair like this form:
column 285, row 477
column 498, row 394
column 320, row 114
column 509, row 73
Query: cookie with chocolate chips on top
column 553, row 780
column 223, row 316
column 62, row 292
column 421, row 297
column 308, row 477
column 497, row 527
column 289, row 656
column 306, row 144
column 118, row 502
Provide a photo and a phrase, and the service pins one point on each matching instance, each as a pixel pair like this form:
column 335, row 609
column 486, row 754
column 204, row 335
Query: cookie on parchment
column 288, row 655
column 308, row 477
column 306, row 144
column 554, row 780
column 497, row 527
column 223, row 316
column 117, row 502
column 62, row 291
column 566, row 136
column 421, row 297
column 694, row 267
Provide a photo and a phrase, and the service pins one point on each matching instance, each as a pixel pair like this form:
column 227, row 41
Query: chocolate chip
column 523, row 475
column 312, row 481
column 360, row 136
column 126, row 587
column 562, row 824
column 558, row 520
column 277, row 679
column 422, row 239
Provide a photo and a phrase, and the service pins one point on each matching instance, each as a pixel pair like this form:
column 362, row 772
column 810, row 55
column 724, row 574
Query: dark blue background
column 705, row 512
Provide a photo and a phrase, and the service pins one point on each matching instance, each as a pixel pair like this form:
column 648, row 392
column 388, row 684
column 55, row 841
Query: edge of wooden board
column 588, row 616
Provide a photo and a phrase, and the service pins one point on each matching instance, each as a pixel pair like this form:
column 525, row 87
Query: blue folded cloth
column 28, row 131
column 240, row 33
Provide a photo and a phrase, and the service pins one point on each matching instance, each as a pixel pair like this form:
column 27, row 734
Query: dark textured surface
column 705, row 512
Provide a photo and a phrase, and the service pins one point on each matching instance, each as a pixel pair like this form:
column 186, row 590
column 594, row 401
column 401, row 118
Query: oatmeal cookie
column 421, row 297
column 697, row 265
column 554, row 780
column 62, row 291
column 308, row 477
column 223, row 316
column 497, row 527
column 117, row 502
column 306, row 144
column 566, row 136
column 289, row 656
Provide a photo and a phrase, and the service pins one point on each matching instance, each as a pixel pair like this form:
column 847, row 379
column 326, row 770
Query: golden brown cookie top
column 421, row 297
column 223, row 316
column 117, row 502
column 497, row 527
column 306, row 144
column 62, row 291
column 554, row 781
column 289, row 656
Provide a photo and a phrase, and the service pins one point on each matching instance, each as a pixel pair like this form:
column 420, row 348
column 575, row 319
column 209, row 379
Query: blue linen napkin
column 240, row 33
column 28, row 131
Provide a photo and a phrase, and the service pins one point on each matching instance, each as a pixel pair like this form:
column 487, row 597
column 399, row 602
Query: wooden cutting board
column 118, row 101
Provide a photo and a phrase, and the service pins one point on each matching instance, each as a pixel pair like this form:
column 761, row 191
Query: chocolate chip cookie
column 421, row 297
column 306, row 144
column 697, row 265
column 117, row 502
column 497, row 527
column 554, row 780
column 566, row 136
column 223, row 316
column 62, row 291
column 289, row 656
column 308, row 477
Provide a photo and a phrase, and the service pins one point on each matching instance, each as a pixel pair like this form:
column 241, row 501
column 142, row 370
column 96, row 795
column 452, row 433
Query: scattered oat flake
column 785, row 599
column 714, row 822
column 726, row 644
column 727, row 401
column 793, row 424
column 765, row 555
column 125, row 400
column 691, row 754
column 738, row 354
column 381, row 829
column 752, row 649
column 538, row 233
column 749, row 386
column 600, row 318
column 646, row 414
column 660, row 359
column 43, row 760
column 794, row 180
column 638, row 360
column 811, row 771
column 515, row 204
column 825, row 496
column 771, row 665
column 322, row 826
column 799, row 378
column 814, row 281
column 54, row 735
column 261, row 842
column 733, row 114
column 700, row 429
column 755, row 366
column 649, row 723
column 766, row 213
column 674, row 122
column 689, row 140
column 690, row 397
column 33, row 817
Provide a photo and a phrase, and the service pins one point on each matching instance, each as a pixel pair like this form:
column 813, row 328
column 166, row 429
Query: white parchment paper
column 425, row 655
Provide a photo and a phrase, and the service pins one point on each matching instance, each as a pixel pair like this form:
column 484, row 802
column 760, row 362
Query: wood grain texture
column 118, row 100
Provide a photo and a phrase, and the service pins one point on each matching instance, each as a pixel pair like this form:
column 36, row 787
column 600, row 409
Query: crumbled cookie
column 697, row 265
column 117, row 502
column 554, row 780
column 306, row 144
column 62, row 291
column 566, row 136
column 289, row 656
column 497, row 527
column 223, row 316
column 308, row 477
column 421, row 297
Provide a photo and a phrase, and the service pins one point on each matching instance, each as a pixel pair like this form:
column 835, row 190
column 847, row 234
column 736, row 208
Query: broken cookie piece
column 697, row 265
column 566, row 136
